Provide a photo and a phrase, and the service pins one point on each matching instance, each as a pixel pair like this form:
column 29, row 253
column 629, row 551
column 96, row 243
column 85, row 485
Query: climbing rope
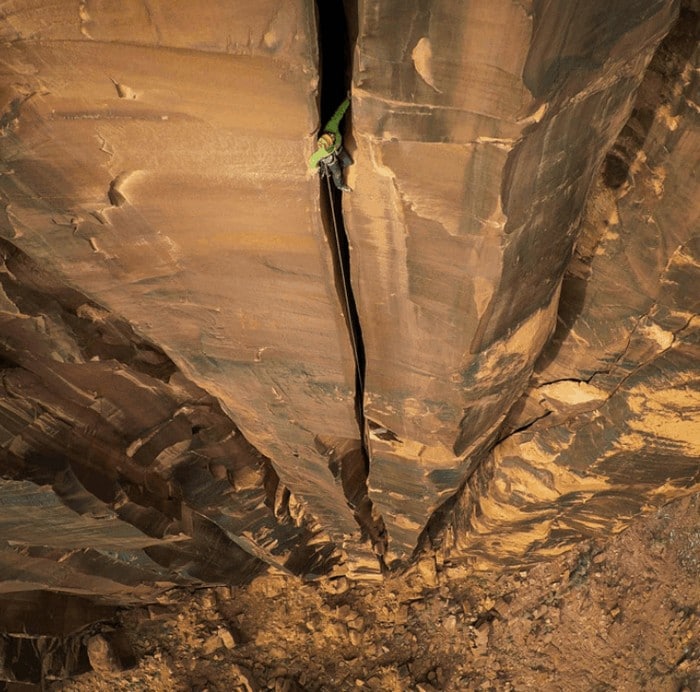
column 346, row 295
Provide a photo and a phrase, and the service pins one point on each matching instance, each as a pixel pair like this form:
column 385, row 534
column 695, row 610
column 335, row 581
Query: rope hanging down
column 346, row 297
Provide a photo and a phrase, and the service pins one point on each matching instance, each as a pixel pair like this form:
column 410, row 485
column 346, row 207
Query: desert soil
column 615, row 615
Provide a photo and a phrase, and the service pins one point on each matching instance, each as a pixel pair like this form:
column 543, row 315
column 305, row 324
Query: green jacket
column 332, row 127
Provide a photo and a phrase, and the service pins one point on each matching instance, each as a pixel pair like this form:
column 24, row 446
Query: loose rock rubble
column 620, row 616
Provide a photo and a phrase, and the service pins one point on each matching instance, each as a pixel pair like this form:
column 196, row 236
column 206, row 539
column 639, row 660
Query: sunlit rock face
column 608, row 426
column 178, row 393
column 479, row 129
column 154, row 160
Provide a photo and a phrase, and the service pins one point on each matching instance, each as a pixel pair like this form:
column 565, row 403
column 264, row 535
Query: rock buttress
column 155, row 159
column 608, row 427
column 477, row 128
column 118, row 476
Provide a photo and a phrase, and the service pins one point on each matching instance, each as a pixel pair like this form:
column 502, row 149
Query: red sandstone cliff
column 178, row 398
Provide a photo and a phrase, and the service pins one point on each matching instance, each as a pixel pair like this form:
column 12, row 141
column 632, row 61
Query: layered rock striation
column 120, row 477
column 153, row 160
column 184, row 394
column 478, row 132
column 608, row 427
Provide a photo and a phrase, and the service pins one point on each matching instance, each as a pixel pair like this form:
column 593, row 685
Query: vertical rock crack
column 335, row 51
column 335, row 74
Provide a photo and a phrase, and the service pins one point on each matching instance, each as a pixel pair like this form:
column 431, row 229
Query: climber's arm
column 333, row 125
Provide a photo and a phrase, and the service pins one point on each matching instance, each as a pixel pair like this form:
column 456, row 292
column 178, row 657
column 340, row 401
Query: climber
column 330, row 155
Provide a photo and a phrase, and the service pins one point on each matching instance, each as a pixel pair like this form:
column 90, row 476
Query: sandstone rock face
column 610, row 420
column 478, row 130
column 117, row 470
column 177, row 370
column 153, row 159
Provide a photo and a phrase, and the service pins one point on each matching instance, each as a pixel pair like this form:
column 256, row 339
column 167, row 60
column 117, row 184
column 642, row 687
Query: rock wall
column 120, row 477
column 478, row 130
column 608, row 427
column 153, row 158
column 178, row 383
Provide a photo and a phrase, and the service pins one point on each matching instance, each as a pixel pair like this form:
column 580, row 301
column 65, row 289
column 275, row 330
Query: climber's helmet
column 326, row 141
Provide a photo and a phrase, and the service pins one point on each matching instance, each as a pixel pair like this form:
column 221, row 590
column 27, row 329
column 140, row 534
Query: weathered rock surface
column 611, row 421
column 117, row 470
column 177, row 376
column 479, row 129
column 153, row 159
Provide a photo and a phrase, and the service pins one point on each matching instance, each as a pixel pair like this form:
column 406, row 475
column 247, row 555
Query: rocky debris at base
column 101, row 655
column 617, row 616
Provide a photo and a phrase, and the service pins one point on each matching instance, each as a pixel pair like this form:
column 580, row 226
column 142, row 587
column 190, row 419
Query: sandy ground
column 621, row 615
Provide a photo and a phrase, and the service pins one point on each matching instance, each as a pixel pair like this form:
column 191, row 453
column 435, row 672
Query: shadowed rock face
column 118, row 466
column 155, row 162
column 178, row 398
